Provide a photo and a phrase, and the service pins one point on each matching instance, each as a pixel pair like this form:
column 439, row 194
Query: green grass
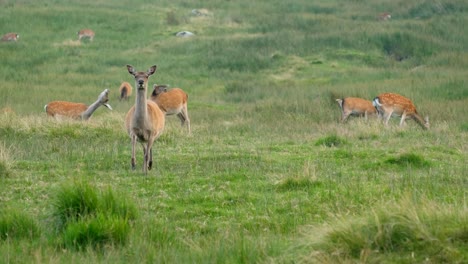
column 269, row 174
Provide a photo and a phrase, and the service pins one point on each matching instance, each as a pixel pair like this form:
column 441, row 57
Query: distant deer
column 172, row 102
column 86, row 33
column 77, row 110
column 144, row 121
column 10, row 37
column 384, row 16
column 391, row 104
column 125, row 90
column 356, row 107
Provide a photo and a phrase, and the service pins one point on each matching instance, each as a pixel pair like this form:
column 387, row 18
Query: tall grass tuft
column 96, row 232
column 17, row 225
column 5, row 168
column 118, row 206
column 86, row 218
column 409, row 159
column 73, row 203
column 331, row 141
column 404, row 232
column 401, row 46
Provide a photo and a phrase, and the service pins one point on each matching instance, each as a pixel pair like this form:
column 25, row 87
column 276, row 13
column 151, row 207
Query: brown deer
column 391, row 104
column 384, row 16
column 10, row 37
column 172, row 102
column 77, row 110
column 356, row 107
column 86, row 33
column 125, row 90
column 144, row 121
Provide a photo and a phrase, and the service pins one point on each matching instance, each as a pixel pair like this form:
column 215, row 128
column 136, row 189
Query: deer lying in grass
column 391, row 104
column 356, row 107
column 125, row 90
column 144, row 121
column 86, row 33
column 384, row 16
column 172, row 102
column 77, row 110
column 10, row 37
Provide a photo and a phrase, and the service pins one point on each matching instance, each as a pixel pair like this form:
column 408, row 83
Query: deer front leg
column 133, row 152
column 145, row 157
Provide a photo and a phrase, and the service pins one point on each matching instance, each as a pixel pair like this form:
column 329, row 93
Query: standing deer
column 86, row 33
column 144, row 121
column 125, row 90
column 10, row 37
column 356, row 107
column 172, row 102
column 77, row 110
column 391, row 104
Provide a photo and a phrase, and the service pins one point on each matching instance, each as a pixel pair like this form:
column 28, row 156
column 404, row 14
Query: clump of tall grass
column 409, row 159
column 401, row 46
column 5, row 167
column 96, row 232
column 84, row 217
column 404, row 232
column 17, row 225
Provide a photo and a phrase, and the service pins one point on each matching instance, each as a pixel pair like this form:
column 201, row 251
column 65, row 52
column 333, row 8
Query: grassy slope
column 261, row 77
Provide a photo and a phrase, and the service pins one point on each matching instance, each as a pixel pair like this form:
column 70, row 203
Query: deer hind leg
column 345, row 116
column 403, row 118
column 183, row 116
column 187, row 119
column 386, row 116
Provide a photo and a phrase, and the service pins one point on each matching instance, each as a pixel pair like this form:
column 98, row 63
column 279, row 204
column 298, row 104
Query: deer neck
column 90, row 110
column 141, row 110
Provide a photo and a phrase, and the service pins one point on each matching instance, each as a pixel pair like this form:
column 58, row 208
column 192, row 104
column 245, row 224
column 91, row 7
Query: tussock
column 407, row 231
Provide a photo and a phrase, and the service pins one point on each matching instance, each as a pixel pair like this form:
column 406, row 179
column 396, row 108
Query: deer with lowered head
column 77, row 110
column 172, row 102
column 356, row 107
column 125, row 90
column 392, row 104
column 145, row 120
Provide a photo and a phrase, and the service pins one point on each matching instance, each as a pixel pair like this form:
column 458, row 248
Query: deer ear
column 152, row 70
column 130, row 69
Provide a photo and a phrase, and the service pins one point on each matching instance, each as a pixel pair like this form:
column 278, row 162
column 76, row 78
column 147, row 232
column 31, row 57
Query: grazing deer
column 86, row 33
column 10, row 37
column 125, row 91
column 144, row 121
column 391, row 104
column 77, row 110
column 172, row 102
column 356, row 107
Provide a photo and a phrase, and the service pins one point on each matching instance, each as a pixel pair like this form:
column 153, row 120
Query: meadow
column 268, row 175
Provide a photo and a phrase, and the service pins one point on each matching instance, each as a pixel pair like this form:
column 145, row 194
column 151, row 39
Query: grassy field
column 268, row 175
